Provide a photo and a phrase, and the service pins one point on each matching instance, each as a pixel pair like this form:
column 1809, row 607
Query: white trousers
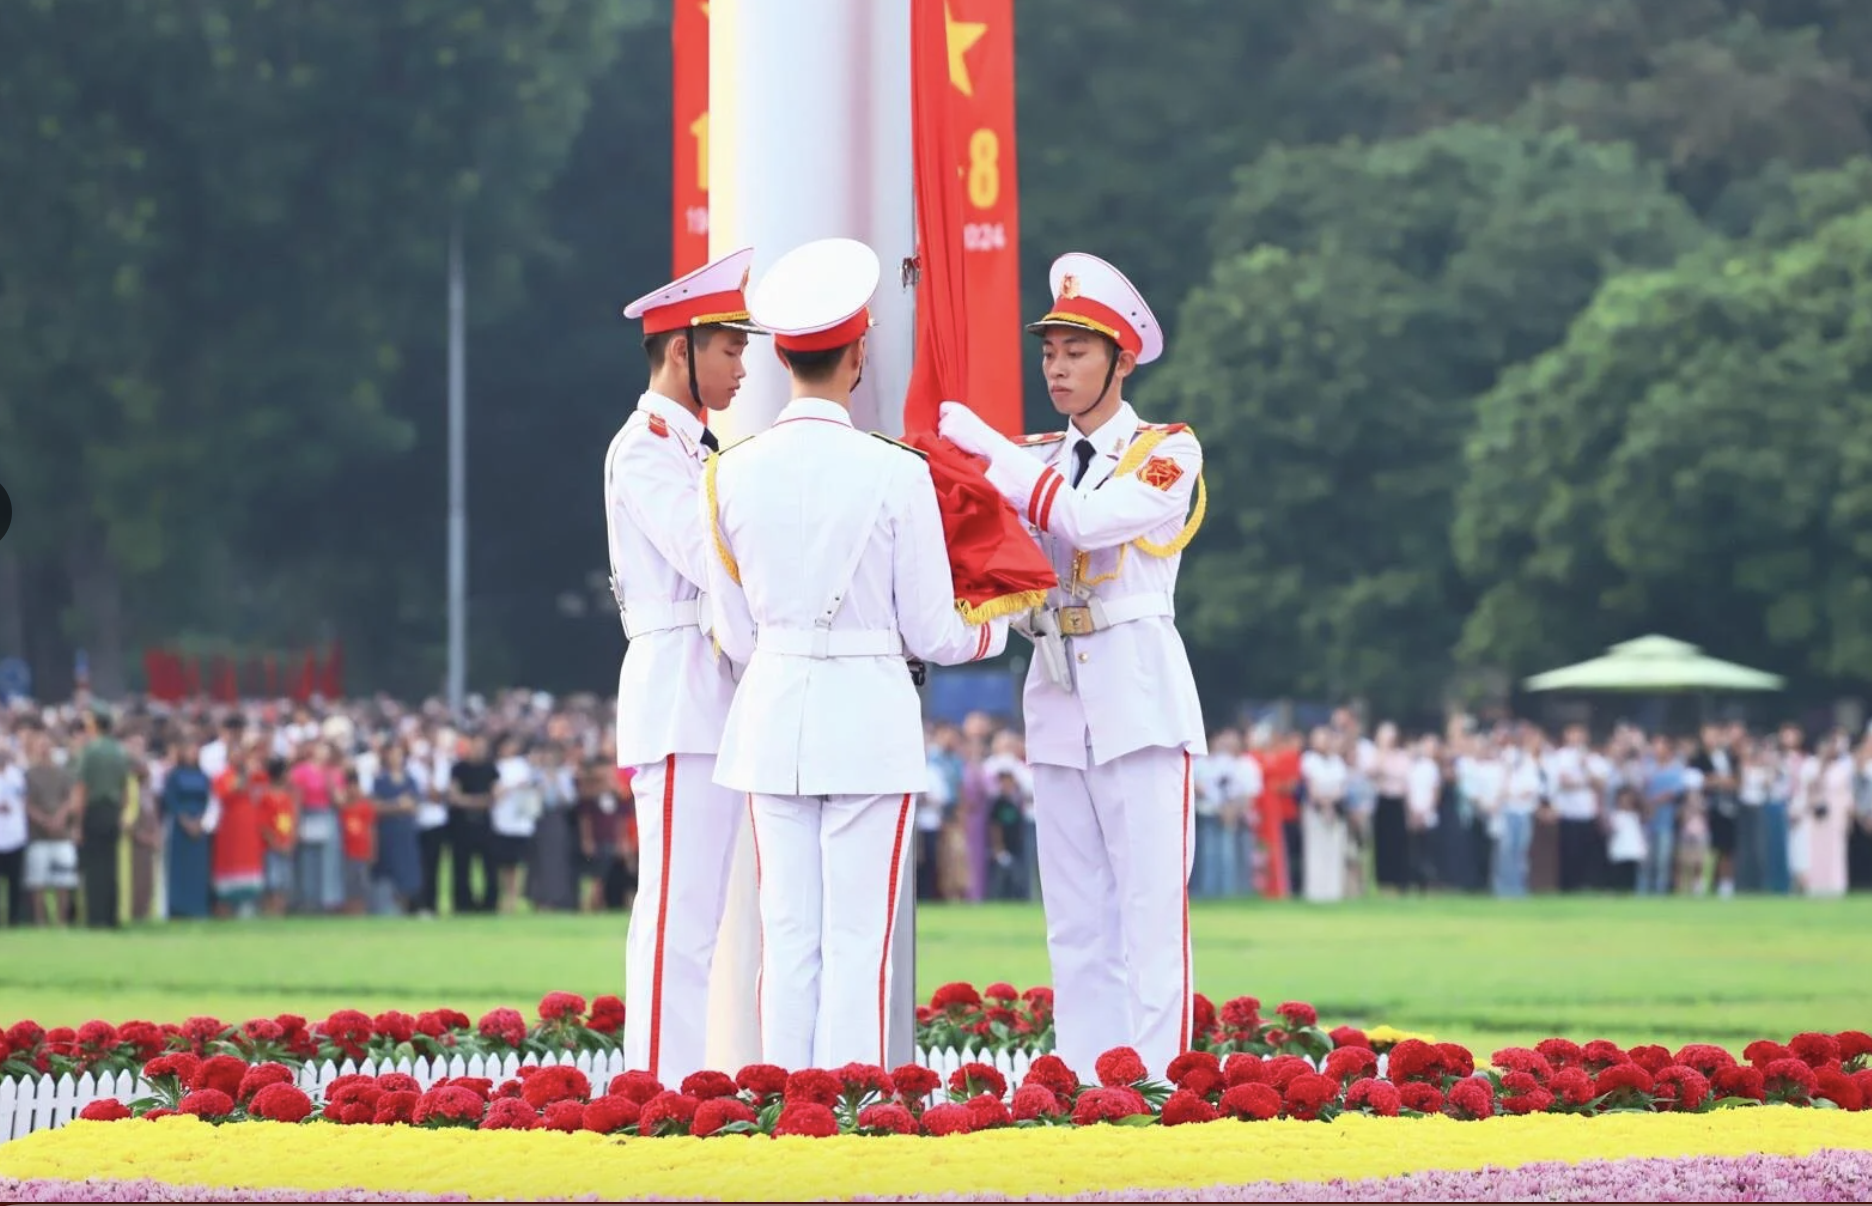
column 1116, row 844
column 686, row 827
column 830, row 869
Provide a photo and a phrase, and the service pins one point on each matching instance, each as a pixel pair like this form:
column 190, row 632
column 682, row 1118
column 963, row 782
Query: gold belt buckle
column 1075, row 621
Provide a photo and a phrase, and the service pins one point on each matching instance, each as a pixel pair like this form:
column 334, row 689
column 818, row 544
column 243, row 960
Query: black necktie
column 1082, row 454
column 709, row 441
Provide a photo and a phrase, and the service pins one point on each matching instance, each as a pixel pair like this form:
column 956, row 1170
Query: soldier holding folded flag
column 1111, row 708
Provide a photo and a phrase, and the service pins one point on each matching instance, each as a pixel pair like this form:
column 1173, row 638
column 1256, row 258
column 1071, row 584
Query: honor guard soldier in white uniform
column 674, row 688
column 830, row 573
column 1111, row 709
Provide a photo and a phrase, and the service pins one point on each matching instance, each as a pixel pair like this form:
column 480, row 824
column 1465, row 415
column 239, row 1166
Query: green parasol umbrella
column 1654, row 663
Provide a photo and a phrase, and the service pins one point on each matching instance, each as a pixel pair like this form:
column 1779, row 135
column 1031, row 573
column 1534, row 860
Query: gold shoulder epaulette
column 1168, row 429
column 888, row 440
column 1041, row 437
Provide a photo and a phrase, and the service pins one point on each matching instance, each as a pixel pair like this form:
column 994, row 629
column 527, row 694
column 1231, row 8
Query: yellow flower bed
column 526, row 1164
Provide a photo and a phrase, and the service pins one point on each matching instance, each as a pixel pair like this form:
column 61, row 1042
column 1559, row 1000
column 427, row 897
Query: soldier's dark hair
column 816, row 366
column 656, row 347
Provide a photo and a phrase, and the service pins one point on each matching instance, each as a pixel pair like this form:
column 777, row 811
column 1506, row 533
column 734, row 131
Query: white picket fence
column 45, row 1103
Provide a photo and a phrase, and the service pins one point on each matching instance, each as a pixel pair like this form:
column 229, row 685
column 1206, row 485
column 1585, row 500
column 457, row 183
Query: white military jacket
column 829, row 570
column 674, row 688
column 1116, row 542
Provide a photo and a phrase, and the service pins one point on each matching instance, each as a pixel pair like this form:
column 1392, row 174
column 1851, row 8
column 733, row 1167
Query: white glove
column 966, row 430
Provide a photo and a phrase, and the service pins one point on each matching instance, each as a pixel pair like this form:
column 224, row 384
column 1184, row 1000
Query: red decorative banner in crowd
column 171, row 678
column 689, row 38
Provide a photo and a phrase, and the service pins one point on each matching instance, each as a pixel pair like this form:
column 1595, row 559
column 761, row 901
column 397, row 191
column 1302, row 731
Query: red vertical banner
column 689, row 38
column 980, row 37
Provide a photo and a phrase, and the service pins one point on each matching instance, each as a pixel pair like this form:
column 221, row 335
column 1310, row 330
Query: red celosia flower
column 815, row 1085
column 667, row 1114
column 1675, row 1087
column 561, row 1007
column 201, row 1031
column 1001, row 991
column 986, row 1112
column 861, row 1080
column 259, row 1077
column 707, row 1085
column 1051, row 1072
column 105, row 1109
column 1184, row 1106
column 1652, row 1058
column 207, row 1103
column 1307, row 1094
column 1705, row 1058
column 25, row 1036
column 955, row 998
column 889, row 1117
column 1033, row 1101
column 262, row 1030
column 396, row 1106
column 808, row 1118
column 1522, row 1059
column 610, row 1114
column 1107, row 1105
column 1789, row 1080
column 503, row 1026
column 1522, row 1093
column 567, row 1116
column 607, row 1015
column 1413, row 1059
column 639, row 1086
column 430, row 1023
column 1455, row 1059
column 1245, row 1069
column 762, row 1081
column 178, row 1064
column 1739, row 1081
column 1862, row 1080
column 1202, row 1013
column 1250, row 1101
column 1761, row 1053
column 62, row 1040
column 450, row 1105
column 398, row 1082
column 1853, row 1044
column 1561, row 1053
column 1837, row 1087
column 1601, row 1054
column 349, row 1030
column 1241, row 1013
column 561, row 1082
column 222, row 1072
column 717, row 1112
column 395, row 1025
column 1374, row 1096
column 1297, row 1014
column 1182, row 1064
column 915, row 1083
column 95, row 1036
column 1571, row 1085
column 1349, row 1036
column 146, row 1037
column 1816, row 1050
column 1470, row 1098
column 1346, row 1064
column 1282, row 1069
column 974, row 1078
column 1119, row 1066
column 1421, row 1097
column 946, row 1119
column 1040, row 1000
column 510, row 1114
column 158, row 1112
column 515, row 1089
column 1626, row 1077
column 480, row 1086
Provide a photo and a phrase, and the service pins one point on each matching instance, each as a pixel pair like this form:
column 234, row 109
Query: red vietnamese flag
column 968, row 311
column 689, row 46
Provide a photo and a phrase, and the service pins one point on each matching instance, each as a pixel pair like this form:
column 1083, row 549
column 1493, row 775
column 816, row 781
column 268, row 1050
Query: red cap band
column 1098, row 316
column 727, row 306
column 832, row 337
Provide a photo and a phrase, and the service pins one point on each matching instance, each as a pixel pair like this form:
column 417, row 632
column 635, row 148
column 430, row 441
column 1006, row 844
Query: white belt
column 826, row 642
column 661, row 616
column 1096, row 614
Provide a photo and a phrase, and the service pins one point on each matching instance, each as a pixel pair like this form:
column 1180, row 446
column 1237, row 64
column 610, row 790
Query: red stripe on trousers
column 890, row 922
column 760, row 949
column 1183, row 1042
column 663, row 894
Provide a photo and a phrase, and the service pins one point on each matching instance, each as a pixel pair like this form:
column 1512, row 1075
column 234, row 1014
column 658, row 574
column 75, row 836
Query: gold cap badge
column 1069, row 285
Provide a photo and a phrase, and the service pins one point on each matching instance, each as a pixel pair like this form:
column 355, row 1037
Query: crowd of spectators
column 142, row 811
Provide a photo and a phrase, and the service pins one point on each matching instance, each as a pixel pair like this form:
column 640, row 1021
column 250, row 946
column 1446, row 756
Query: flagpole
column 457, row 478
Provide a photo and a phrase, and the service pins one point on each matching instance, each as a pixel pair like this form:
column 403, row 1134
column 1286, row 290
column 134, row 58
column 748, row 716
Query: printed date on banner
column 984, row 236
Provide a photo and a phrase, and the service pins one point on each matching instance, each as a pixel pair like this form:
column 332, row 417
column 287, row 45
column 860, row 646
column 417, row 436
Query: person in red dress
column 239, row 847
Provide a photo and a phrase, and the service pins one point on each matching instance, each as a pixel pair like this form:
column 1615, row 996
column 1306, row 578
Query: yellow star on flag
column 961, row 35
column 705, row 8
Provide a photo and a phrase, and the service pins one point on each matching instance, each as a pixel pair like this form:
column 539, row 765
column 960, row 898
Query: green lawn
column 1481, row 972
